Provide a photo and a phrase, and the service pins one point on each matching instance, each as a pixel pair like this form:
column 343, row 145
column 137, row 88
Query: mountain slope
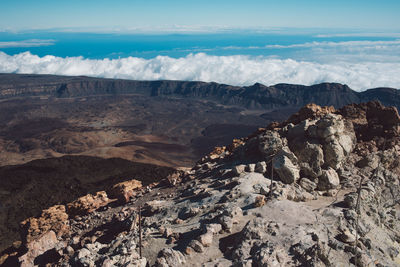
column 319, row 189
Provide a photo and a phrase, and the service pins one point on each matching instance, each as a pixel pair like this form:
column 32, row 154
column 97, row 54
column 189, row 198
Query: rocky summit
column 319, row 189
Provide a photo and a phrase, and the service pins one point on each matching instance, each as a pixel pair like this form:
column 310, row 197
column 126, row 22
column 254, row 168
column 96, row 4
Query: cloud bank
column 328, row 52
column 346, row 44
column 234, row 70
column 27, row 43
column 360, row 34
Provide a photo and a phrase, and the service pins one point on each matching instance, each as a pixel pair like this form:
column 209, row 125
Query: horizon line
column 321, row 32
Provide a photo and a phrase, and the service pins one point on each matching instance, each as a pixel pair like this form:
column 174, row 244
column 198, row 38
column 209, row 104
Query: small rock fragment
column 197, row 246
column 206, row 239
column 213, row 228
column 261, row 167
column 260, row 201
column 347, row 237
column 239, row 169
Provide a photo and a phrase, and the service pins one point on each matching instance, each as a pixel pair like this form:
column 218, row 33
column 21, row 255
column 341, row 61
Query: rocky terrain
column 29, row 188
column 170, row 123
column 319, row 189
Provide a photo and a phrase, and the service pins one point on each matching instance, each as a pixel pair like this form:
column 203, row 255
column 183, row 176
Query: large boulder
column 270, row 143
column 307, row 184
column 38, row 247
column 286, row 167
column 309, row 151
column 327, row 127
column 310, row 154
column 323, row 142
column 299, row 130
column 39, row 234
column 334, row 154
column 336, row 136
column 328, row 180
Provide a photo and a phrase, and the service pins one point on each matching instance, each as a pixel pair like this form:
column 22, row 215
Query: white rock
column 261, row 167
column 285, row 168
column 328, row 180
column 250, row 167
column 206, row 239
column 213, row 228
column 239, row 169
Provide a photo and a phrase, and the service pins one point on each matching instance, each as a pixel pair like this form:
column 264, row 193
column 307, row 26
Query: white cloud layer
column 234, row 70
column 360, row 34
column 346, row 44
column 27, row 43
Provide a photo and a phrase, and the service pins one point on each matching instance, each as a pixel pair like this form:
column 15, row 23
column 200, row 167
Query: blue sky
column 150, row 14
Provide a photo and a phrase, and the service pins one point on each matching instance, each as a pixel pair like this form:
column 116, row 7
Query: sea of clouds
column 234, row 70
column 27, row 43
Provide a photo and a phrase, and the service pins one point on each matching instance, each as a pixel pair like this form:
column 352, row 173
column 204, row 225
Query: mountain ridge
column 257, row 96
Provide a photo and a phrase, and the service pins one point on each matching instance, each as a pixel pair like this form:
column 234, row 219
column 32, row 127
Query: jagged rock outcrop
column 88, row 203
column 39, row 235
column 310, row 193
column 54, row 218
column 313, row 148
column 125, row 190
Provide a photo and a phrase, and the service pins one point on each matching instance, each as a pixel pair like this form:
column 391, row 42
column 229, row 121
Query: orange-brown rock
column 54, row 218
column 310, row 111
column 3, row 258
column 38, row 247
column 235, row 143
column 260, row 201
column 374, row 123
column 385, row 116
column 87, row 204
column 217, row 152
column 273, row 125
column 125, row 190
column 356, row 113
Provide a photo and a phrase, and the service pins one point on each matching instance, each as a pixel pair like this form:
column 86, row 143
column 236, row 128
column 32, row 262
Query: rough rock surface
column 125, row 190
column 54, row 218
column 88, row 203
column 37, row 247
column 285, row 164
column 168, row 257
column 333, row 199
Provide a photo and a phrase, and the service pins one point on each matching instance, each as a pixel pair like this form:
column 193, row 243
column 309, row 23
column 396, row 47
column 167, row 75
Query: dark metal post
column 140, row 231
column 272, row 178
